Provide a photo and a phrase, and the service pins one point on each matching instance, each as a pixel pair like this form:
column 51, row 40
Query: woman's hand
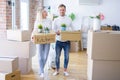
column 32, row 39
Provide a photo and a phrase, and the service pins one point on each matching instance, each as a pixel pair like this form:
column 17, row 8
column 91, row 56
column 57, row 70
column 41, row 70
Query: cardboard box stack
column 9, row 68
column 18, row 44
column 103, row 55
column 24, row 50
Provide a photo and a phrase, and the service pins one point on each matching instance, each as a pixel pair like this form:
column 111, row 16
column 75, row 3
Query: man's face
column 62, row 11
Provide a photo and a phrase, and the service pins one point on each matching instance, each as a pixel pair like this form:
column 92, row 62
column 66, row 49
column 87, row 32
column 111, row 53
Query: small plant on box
column 40, row 27
column 47, row 30
column 63, row 26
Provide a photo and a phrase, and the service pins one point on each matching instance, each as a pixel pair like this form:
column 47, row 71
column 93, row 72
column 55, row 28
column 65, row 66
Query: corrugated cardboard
column 104, row 45
column 8, row 64
column 25, row 65
column 103, row 70
column 10, row 76
column 43, row 38
column 18, row 35
column 15, row 48
column 71, row 35
column 75, row 46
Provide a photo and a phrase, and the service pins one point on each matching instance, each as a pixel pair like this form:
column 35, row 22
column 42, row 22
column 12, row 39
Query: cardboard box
column 106, row 28
column 104, row 45
column 8, row 64
column 25, row 65
column 10, row 76
column 75, row 46
column 71, row 35
column 15, row 48
column 18, row 35
column 103, row 70
column 43, row 38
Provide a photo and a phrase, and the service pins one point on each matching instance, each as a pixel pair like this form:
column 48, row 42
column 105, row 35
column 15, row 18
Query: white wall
column 110, row 9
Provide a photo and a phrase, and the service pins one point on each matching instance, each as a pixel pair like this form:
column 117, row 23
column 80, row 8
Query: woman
column 43, row 49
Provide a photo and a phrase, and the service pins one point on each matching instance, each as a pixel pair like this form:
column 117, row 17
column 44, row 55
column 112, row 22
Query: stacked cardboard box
column 43, row 38
column 18, row 35
column 103, row 55
column 10, row 76
column 8, row 64
column 9, row 68
column 24, row 50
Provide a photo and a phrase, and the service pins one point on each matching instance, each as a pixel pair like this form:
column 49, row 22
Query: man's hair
column 62, row 5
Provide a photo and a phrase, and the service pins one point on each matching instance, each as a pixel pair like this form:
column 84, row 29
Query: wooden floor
column 77, row 69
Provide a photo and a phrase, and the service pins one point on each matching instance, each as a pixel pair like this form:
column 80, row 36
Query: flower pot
column 40, row 30
column 63, row 28
column 47, row 31
column 96, row 24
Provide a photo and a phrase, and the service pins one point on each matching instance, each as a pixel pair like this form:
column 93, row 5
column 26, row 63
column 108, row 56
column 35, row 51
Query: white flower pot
column 96, row 24
column 40, row 30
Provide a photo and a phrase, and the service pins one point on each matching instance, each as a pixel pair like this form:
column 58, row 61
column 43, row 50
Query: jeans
column 43, row 51
column 66, row 48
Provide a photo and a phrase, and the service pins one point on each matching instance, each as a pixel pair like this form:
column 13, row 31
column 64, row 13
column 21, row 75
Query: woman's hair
column 39, row 16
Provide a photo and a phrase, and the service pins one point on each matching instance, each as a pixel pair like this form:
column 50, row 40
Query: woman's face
column 44, row 14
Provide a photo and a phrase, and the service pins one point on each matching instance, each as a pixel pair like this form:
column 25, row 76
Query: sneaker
column 55, row 73
column 66, row 74
column 41, row 75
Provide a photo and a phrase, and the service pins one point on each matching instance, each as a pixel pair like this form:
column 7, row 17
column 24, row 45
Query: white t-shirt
column 57, row 25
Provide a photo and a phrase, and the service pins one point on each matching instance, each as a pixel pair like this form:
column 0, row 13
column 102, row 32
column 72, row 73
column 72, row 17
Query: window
column 13, row 15
column 24, row 14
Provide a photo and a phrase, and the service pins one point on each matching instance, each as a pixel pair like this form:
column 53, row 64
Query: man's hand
column 58, row 32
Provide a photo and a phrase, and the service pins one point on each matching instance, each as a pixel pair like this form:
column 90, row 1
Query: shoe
column 55, row 73
column 66, row 74
column 41, row 75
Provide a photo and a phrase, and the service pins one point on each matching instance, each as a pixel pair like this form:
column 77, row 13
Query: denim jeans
column 66, row 47
column 43, row 51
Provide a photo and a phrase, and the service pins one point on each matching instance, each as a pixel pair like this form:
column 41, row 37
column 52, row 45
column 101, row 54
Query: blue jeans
column 43, row 51
column 66, row 48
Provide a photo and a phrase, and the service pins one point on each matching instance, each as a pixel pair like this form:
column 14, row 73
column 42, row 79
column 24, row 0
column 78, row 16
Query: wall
column 110, row 9
column 5, row 18
column 6, row 15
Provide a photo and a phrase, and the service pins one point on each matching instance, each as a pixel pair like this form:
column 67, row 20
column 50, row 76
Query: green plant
column 100, row 16
column 46, row 29
column 72, row 16
column 40, row 26
column 63, row 25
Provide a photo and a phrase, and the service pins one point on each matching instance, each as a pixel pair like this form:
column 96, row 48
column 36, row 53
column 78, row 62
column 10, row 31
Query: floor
column 77, row 69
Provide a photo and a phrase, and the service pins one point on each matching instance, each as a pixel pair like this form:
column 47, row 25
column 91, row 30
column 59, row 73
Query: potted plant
column 63, row 27
column 40, row 28
column 47, row 30
column 72, row 16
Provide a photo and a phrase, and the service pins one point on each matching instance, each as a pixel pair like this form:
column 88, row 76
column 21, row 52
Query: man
column 65, row 45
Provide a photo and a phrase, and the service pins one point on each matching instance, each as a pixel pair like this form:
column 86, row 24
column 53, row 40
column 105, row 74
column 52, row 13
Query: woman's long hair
column 39, row 15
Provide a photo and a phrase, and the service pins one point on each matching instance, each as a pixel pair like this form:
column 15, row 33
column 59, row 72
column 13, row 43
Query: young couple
column 43, row 49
